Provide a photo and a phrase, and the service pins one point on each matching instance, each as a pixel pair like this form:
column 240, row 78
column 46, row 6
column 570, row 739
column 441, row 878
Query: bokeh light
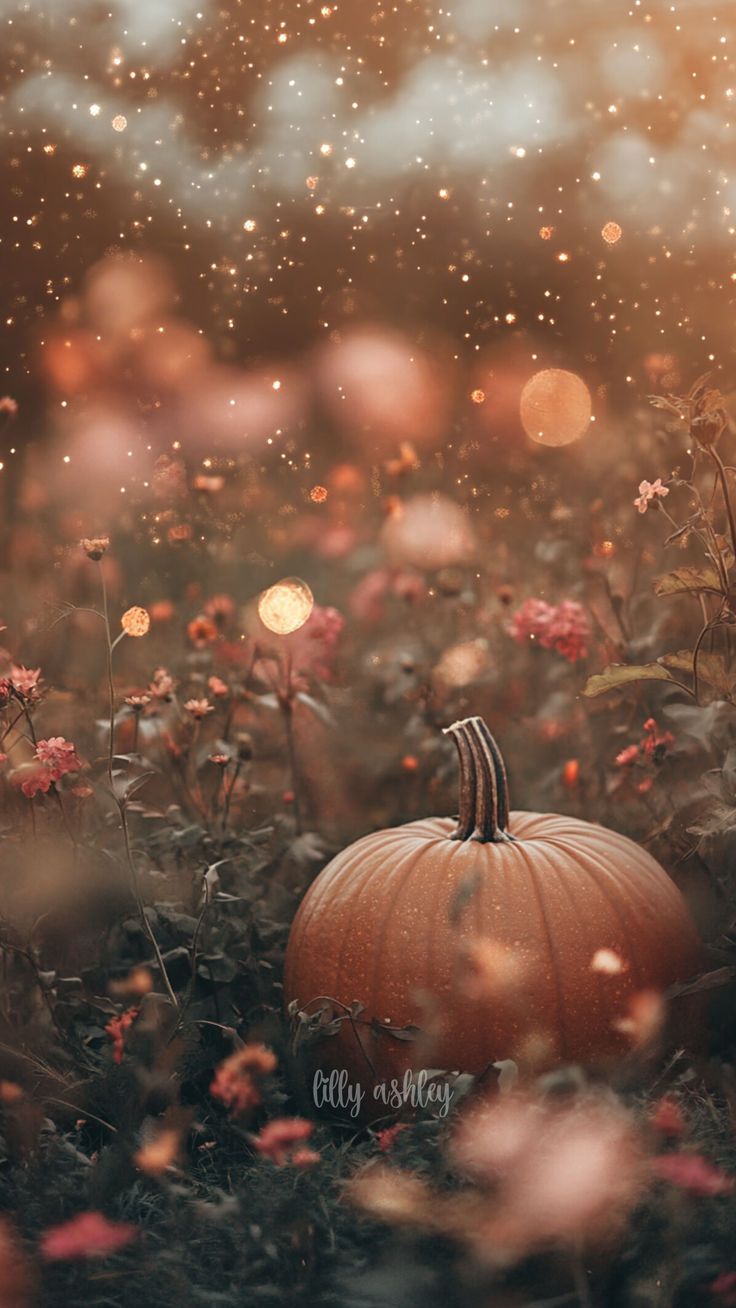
column 555, row 407
column 611, row 233
column 428, row 531
column 286, row 606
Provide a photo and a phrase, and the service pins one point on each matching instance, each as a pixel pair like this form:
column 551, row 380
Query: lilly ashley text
column 335, row 1090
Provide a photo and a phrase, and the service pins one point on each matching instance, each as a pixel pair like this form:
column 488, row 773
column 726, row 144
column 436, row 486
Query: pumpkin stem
column 484, row 791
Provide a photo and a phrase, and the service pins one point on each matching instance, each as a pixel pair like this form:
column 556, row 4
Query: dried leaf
column 396, row 1032
column 691, row 580
column 619, row 674
column 708, row 981
column 711, row 668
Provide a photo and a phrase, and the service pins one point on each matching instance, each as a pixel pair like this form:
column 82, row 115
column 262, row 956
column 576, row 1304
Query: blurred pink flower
column 33, row 780
column 199, row 708
column 52, row 760
column 366, row 601
column 163, row 685
column 568, row 631
column 90, row 1235
column 561, row 1173
column 305, row 1158
column 386, row 1138
column 724, row 1288
column 562, row 627
column 314, row 646
column 648, row 491
column 8, row 405
column 236, row 1082
column 667, row 1117
column 653, row 746
column 276, row 1139
column 116, row 1029
column 693, row 1173
column 530, row 621
column 655, row 742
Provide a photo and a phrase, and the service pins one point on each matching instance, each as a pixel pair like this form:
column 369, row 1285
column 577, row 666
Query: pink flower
column 199, row 708
column 25, row 681
column 58, row 755
column 305, row 1158
column 530, row 621
column 560, row 1173
column 90, row 1235
column 116, row 1029
column 314, row 646
column 277, row 1139
column 387, row 1137
column 724, row 1288
column 8, row 405
column 655, row 743
column 562, row 627
column 236, row 1080
column 653, row 746
column 567, row 631
column 33, row 780
column 163, row 685
column 667, row 1117
column 52, row 760
column 693, row 1173
column 648, row 491
column 367, row 598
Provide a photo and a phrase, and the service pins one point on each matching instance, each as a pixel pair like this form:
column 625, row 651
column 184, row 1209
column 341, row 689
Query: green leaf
column 618, row 674
column 690, row 580
column 711, row 668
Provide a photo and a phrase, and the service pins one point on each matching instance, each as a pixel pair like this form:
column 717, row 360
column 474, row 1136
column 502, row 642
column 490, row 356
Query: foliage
column 163, row 812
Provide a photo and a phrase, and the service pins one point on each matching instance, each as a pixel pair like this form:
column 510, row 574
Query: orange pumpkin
column 504, row 935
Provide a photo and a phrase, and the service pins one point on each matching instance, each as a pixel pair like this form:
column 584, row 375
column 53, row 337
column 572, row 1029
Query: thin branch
column 135, row 884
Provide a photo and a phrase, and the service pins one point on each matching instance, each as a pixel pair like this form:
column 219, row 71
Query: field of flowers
column 207, row 694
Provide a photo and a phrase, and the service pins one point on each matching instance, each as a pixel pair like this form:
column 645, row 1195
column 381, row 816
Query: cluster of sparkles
column 264, row 141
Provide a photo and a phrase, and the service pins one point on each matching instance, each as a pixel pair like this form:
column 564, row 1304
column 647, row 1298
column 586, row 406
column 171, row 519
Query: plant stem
column 62, row 810
column 193, row 956
column 696, row 650
column 229, row 793
column 726, row 495
column 135, row 885
column 287, row 712
column 110, row 686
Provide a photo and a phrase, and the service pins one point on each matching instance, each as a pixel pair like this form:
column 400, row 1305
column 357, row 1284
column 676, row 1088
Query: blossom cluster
column 563, row 627
column 652, row 747
column 236, row 1079
column 21, row 683
column 52, row 759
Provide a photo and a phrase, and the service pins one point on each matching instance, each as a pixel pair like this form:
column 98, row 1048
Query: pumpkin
column 504, row 935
